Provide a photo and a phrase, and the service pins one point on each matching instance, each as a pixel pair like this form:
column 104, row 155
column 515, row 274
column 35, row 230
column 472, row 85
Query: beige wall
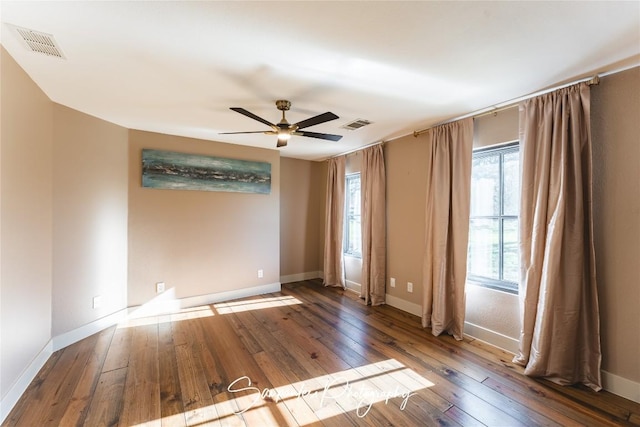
column 615, row 116
column 90, row 185
column 300, row 216
column 200, row 242
column 406, row 183
column 496, row 128
column 25, row 221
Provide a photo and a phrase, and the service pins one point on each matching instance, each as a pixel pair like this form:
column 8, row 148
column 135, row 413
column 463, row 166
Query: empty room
column 297, row 213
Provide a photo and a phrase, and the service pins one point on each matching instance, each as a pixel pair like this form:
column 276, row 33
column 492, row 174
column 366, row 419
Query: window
column 493, row 257
column 352, row 232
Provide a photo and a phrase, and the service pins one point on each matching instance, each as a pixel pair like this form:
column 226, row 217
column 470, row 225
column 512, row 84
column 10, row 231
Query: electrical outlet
column 97, row 301
column 392, row 282
column 409, row 287
column 159, row 287
column 260, row 274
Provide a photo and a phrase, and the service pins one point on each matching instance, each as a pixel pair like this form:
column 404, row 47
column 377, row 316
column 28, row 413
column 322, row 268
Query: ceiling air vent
column 39, row 42
column 356, row 124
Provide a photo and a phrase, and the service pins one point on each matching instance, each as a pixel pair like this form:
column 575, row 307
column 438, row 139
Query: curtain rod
column 498, row 107
column 355, row 149
column 509, row 104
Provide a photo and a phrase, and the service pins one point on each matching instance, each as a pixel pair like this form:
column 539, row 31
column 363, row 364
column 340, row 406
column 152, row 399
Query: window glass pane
column 352, row 229
column 511, row 170
column 354, row 245
column 511, row 260
column 493, row 258
column 484, row 248
column 485, row 186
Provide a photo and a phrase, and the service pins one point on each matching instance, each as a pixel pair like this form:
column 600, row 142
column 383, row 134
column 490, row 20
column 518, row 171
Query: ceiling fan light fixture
column 284, row 136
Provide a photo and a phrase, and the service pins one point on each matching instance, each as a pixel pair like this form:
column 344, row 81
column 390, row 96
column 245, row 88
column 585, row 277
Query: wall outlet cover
column 97, row 301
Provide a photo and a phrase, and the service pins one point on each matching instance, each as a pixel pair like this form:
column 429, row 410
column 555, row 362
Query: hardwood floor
column 306, row 356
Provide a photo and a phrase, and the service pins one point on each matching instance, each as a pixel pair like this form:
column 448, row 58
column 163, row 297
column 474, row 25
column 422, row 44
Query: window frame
column 345, row 244
column 489, row 282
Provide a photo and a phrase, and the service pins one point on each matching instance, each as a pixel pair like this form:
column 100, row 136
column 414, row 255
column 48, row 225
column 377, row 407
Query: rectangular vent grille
column 356, row 124
column 40, row 42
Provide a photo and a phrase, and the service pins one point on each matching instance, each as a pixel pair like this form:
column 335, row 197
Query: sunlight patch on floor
column 255, row 304
column 355, row 390
column 177, row 316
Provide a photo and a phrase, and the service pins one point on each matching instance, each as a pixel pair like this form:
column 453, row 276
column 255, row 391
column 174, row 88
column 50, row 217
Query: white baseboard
column 23, row 381
column 167, row 303
column 68, row 338
column 621, row 386
column 492, row 337
column 404, row 305
column 300, row 277
column 353, row 286
column 230, row 295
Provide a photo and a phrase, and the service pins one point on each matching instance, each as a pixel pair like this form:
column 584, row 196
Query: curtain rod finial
column 594, row 81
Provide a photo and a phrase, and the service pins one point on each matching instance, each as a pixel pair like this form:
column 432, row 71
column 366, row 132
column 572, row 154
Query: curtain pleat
column 374, row 238
column 334, row 223
column 447, row 226
column 560, row 330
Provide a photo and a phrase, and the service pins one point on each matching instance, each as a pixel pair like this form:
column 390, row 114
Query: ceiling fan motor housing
column 283, row 105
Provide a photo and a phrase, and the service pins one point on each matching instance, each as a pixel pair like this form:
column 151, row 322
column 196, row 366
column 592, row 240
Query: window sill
column 494, row 286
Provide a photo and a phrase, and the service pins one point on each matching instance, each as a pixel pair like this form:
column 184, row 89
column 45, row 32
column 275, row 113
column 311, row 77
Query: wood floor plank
column 198, row 404
column 106, row 406
column 119, row 351
column 566, row 417
column 33, row 394
column 389, row 383
column 78, row 406
column 590, row 398
column 66, row 374
column 303, row 372
column 285, row 391
column 142, row 387
column 171, row 404
column 236, row 363
column 386, row 385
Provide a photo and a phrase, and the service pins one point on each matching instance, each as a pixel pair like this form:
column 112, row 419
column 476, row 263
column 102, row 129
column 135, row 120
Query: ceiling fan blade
column 327, row 136
column 253, row 131
column 316, row 120
column 253, row 116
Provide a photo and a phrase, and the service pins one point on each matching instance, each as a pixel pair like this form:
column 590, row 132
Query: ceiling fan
column 284, row 130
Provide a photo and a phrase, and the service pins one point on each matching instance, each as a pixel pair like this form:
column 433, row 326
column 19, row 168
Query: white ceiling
column 176, row 67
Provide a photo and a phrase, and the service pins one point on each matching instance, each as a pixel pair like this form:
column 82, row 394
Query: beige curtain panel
column 334, row 217
column 560, row 335
column 447, row 226
column 374, row 226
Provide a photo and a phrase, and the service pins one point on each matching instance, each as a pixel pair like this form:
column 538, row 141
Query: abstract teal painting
column 181, row 171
